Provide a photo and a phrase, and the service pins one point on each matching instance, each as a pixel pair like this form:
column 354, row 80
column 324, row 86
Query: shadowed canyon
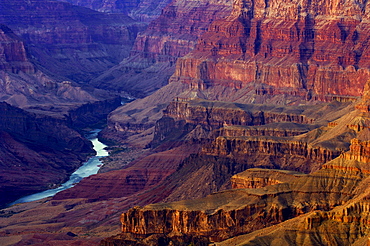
column 230, row 122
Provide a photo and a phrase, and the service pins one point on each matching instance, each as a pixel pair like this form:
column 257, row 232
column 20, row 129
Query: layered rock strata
column 139, row 10
column 13, row 53
column 229, row 213
column 298, row 49
column 244, row 147
column 257, row 178
column 281, row 129
column 170, row 36
column 181, row 117
column 70, row 41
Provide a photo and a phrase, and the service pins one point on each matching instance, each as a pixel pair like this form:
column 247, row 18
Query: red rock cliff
column 170, row 36
column 13, row 53
column 303, row 48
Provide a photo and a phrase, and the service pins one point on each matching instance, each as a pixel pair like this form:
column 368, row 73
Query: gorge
column 90, row 167
column 250, row 124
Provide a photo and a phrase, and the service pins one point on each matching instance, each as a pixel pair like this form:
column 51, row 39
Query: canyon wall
column 257, row 178
column 168, row 37
column 13, row 53
column 23, row 85
column 145, row 11
column 229, row 213
column 30, row 145
column 181, row 117
column 69, row 41
column 303, row 48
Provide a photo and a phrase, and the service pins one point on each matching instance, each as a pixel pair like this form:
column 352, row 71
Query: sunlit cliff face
column 298, row 48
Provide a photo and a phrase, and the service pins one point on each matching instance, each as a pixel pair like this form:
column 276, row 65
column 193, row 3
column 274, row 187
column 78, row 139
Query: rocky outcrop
column 359, row 150
column 182, row 117
column 293, row 49
column 282, row 129
column 272, row 197
column 70, row 41
column 276, row 147
column 257, row 178
column 13, row 53
column 228, row 213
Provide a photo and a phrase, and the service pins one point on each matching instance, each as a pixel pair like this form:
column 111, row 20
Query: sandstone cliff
column 302, row 48
column 273, row 197
column 13, row 53
column 229, row 213
column 258, row 178
column 170, row 36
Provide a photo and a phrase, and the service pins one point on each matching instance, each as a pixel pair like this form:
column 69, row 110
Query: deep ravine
column 89, row 168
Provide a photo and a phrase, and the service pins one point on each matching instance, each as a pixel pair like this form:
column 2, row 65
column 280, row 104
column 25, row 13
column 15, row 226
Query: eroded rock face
column 270, row 197
column 139, row 10
column 68, row 40
column 303, row 48
column 229, row 213
column 13, row 53
column 257, row 178
column 170, row 36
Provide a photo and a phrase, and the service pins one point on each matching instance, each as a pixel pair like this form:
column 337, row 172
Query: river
column 90, row 167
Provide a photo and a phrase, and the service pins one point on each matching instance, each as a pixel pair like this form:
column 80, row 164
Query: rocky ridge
column 69, row 41
column 229, row 213
column 145, row 11
column 257, row 178
column 170, row 36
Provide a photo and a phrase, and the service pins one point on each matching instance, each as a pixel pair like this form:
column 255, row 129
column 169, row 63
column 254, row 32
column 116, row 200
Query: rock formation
column 257, row 178
column 302, row 48
column 290, row 56
column 170, row 36
column 265, row 198
column 70, row 41
column 13, row 53
column 30, row 144
column 139, row 10
column 232, row 212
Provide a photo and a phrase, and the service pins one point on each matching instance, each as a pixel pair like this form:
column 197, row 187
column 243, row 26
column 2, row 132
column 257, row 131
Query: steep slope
column 138, row 10
column 232, row 212
column 170, row 36
column 29, row 146
column 70, row 41
column 301, row 48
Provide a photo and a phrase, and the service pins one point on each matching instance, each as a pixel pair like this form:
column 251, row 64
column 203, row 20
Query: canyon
column 172, row 35
column 250, row 124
